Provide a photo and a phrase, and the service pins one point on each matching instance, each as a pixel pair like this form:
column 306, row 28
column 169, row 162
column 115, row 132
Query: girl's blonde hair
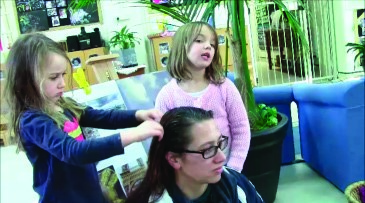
column 178, row 60
column 25, row 67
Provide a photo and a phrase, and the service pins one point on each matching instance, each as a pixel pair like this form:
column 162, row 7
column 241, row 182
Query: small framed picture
column 50, row 4
column 51, row 12
column 76, row 62
column 55, row 21
column 62, row 13
column 164, row 48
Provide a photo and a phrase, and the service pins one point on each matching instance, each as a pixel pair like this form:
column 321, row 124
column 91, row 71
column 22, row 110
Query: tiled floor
column 298, row 183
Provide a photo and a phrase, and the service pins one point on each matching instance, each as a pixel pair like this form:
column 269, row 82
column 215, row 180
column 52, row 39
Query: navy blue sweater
column 63, row 167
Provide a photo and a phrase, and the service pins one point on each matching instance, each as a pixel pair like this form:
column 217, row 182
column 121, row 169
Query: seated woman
column 187, row 165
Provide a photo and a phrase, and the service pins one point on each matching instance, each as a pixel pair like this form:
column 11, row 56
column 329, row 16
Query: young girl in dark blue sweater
column 47, row 126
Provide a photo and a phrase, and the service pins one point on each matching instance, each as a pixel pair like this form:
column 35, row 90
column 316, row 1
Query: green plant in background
column 360, row 52
column 124, row 39
column 184, row 11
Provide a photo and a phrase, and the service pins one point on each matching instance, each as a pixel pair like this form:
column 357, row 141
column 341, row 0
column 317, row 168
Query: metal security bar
column 278, row 55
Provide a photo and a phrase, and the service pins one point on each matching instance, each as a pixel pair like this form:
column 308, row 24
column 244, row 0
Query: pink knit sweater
column 229, row 113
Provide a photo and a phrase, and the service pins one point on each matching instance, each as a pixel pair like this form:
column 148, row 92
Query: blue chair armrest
column 336, row 94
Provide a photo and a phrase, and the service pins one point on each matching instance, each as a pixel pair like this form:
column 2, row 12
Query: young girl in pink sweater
column 197, row 80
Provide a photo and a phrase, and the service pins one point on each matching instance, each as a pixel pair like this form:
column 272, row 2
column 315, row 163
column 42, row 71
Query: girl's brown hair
column 178, row 60
column 25, row 67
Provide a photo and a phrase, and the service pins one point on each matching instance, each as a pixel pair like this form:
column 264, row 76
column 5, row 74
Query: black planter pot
column 262, row 166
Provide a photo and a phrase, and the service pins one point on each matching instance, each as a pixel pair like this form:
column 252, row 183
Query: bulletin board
column 42, row 15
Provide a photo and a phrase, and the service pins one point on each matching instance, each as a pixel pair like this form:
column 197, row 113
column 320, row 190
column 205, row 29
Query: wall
column 344, row 32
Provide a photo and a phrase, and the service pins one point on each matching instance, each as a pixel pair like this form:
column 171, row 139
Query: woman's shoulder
column 245, row 188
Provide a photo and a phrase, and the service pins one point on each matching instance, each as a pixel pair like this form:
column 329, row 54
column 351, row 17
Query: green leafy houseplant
column 261, row 116
column 360, row 52
column 123, row 39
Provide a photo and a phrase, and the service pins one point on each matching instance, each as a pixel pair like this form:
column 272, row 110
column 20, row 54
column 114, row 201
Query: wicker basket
column 352, row 192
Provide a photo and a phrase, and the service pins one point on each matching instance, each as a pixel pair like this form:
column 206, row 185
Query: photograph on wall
column 61, row 3
column 221, row 39
column 29, row 5
column 164, row 61
column 112, row 101
column 84, row 15
column 50, row 4
column 133, row 176
column 76, row 62
column 110, row 185
column 62, row 13
column 164, row 48
column 52, row 12
column 55, row 21
column 119, row 178
column 33, row 21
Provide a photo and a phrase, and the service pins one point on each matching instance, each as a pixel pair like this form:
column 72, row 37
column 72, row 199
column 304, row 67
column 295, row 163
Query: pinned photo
column 52, row 12
column 61, row 3
column 55, row 21
column 50, row 4
column 221, row 39
column 63, row 13
column 164, row 48
column 76, row 62
column 164, row 61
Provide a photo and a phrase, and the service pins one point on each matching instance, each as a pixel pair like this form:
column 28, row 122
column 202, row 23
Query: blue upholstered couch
column 331, row 125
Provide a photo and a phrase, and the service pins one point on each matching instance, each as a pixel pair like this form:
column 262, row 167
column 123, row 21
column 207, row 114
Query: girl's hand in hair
column 145, row 130
column 151, row 114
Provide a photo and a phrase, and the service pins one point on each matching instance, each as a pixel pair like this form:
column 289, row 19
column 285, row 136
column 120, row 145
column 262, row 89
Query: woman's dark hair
column 177, row 124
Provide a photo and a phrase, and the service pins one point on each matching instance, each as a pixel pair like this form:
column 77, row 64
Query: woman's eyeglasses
column 211, row 151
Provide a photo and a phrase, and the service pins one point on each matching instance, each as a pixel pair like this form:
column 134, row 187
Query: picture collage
column 42, row 15
column 56, row 10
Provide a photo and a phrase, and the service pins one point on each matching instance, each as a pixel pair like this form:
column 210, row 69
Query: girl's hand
column 145, row 130
column 151, row 114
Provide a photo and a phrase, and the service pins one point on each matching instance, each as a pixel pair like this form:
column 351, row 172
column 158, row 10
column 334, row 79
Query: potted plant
column 268, row 127
column 125, row 41
column 360, row 52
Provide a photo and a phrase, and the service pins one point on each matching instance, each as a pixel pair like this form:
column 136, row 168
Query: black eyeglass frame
column 222, row 140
